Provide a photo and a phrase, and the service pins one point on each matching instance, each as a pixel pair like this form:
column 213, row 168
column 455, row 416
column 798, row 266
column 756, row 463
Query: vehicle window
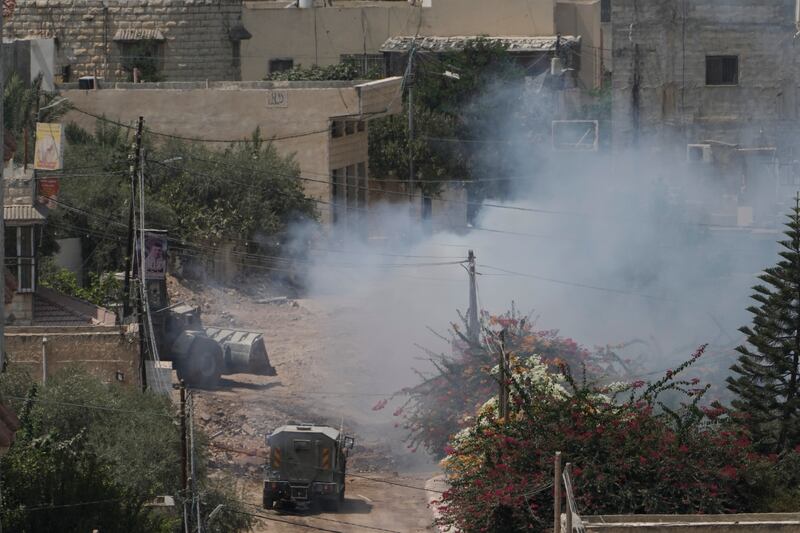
column 302, row 445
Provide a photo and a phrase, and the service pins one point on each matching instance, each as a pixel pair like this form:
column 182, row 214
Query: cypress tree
column 765, row 378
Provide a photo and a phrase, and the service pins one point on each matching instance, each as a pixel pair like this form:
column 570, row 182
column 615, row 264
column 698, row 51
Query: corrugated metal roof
column 23, row 213
column 455, row 44
column 138, row 34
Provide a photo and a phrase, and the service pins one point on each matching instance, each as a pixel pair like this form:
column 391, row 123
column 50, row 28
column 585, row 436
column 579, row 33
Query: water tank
column 305, row 4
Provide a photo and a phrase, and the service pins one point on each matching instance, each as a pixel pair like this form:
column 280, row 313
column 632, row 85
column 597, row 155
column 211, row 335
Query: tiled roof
column 138, row 34
column 47, row 313
column 23, row 213
column 455, row 44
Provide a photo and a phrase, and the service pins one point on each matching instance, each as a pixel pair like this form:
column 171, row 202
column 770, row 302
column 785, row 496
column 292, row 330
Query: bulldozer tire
column 331, row 505
column 203, row 366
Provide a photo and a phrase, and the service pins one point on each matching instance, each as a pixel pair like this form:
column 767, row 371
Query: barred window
column 20, row 256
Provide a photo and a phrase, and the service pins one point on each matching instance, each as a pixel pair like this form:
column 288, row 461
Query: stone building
column 713, row 84
column 286, row 34
column 164, row 39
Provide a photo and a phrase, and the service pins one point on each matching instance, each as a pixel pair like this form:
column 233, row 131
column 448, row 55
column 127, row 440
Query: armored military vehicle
column 307, row 465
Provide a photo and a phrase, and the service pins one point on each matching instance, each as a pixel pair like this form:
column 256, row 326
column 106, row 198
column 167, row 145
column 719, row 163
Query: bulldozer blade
column 243, row 351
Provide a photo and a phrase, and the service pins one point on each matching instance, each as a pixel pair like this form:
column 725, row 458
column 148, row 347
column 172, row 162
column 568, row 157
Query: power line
column 89, row 406
column 203, row 140
column 578, row 285
column 64, row 506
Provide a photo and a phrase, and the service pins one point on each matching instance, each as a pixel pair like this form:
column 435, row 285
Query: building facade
column 714, row 84
column 328, row 33
column 163, row 39
column 323, row 125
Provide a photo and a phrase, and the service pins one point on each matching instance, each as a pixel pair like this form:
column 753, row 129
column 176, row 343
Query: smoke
column 605, row 248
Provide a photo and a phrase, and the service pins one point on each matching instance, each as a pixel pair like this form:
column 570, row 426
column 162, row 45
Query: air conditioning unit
column 699, row 153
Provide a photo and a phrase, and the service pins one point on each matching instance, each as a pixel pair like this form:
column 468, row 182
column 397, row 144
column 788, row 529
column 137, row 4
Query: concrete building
column 323, row 125
column 284, row 36
column 46, row 330
column 164, row 39
column 714, row 84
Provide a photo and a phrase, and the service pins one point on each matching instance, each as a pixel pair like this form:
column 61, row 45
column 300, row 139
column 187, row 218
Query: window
column 349, row 127
column 302, row 445
column 337, row 128
column 722, row 70
column 362, row 185
column 367, row 65
column 145, row 55
column 338, row 195
column 19, row 248
column 236, row 46
column 605, row 11
column 352, row 186
column 360, row 126
column 280, row 65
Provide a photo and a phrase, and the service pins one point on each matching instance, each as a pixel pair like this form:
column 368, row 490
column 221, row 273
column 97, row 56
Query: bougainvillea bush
column 445, row 402
column 631, row 453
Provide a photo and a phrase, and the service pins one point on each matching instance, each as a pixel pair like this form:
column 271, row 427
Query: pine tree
column 766, row 379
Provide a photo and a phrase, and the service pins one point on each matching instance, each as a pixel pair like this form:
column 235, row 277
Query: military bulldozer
column 198, row 354
column 307, row 465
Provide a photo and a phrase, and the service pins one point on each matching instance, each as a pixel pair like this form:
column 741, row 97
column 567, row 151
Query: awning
column 138, row 34
column 23, row 213
column 456, row 44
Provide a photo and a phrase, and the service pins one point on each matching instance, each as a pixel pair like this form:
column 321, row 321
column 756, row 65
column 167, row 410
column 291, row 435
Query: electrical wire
column 203, row 140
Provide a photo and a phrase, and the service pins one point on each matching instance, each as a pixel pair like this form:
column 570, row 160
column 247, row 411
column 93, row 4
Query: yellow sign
column 48, row 147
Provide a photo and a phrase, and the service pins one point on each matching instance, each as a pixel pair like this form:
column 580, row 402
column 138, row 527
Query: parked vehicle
column 307, row 465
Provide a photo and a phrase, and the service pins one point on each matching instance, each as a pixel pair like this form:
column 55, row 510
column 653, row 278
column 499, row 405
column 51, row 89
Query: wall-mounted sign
column 155, row 255
column 48, row 147
column 47, row 194
column 277, row 99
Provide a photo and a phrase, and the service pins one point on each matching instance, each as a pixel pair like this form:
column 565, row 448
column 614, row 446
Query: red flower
column 729, row 472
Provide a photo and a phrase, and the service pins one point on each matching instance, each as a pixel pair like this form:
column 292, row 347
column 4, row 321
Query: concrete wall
column 676, row 106
column 297, row 114
column 582, row 17
column 103, row 351
column 749, row 523
column 321, row 35
column 197, row 44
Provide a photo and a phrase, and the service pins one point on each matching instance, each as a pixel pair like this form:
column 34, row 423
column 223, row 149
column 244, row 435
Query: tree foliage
column 460, row 99
column 631, row 452
column 766, row 378
column 445, row 401
column 338, row 72
column 90, row 456
column 245, row 193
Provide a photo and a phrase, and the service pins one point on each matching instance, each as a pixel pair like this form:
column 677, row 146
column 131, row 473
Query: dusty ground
column 318, row 370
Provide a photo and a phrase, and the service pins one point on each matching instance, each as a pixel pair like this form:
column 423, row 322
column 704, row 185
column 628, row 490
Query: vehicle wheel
column 204, row 365
column 331, row 505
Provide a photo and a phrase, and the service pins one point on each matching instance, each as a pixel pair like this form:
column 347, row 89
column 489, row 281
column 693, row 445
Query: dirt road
column 369, row 506
column 314, row 363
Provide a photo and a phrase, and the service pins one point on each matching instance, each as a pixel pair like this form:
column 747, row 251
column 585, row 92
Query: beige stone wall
column 321, row 35
column 197, row 45
column 296, row 114
column 582, row 17
column 104, row 351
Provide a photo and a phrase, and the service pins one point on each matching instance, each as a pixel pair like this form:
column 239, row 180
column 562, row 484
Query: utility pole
column 557, row 493
column 184, row 473
column 134, row 169
column 140, row 275
column 410, row 82
column 2, row 223
column 195, row 491
column 503, row 393
column 473, row 326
